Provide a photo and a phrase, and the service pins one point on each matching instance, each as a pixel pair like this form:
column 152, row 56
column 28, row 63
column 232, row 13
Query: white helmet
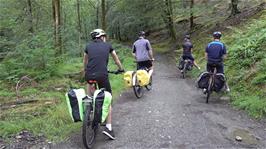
column 97, row 33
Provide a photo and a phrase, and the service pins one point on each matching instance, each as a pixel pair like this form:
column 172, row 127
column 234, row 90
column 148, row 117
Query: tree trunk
column 234, row 9
column 191, row 15
column 169, row 18
column 103, row 15
column 57, row 23
column 79, row 23
column 97, row 15
column 30, row 16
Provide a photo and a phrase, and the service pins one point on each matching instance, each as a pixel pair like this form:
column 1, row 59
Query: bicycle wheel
column 88, row 128
column 184, row 70
column 209, row 90
column 149, row 86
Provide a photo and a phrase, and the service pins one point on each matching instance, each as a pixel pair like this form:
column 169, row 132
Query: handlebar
column 116, row 72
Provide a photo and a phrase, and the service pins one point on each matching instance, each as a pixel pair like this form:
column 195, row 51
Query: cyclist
column 215, row 53
column 142, row 51
column 95, row 65
column 187, row 51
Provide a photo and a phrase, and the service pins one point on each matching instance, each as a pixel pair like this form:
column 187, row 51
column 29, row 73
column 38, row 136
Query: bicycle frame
column 211, row 82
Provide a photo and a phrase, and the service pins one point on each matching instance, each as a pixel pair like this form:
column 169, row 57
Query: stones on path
column 238, row 138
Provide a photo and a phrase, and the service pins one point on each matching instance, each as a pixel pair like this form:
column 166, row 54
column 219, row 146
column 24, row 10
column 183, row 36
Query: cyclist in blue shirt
column 215, row 53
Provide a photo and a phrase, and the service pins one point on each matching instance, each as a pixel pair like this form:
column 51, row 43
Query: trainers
column 109, row 133
column 204, row 91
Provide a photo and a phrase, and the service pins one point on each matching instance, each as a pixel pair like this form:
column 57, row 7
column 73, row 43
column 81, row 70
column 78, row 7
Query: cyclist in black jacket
column 95, row 65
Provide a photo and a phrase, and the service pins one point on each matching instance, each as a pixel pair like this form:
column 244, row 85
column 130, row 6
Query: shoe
column 204, row 91
column 109, row 133
column 228, row 89
column 181, row 71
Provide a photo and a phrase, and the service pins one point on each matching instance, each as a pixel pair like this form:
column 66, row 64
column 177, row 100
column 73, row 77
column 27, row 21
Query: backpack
column 102, row 101
column 74, row 103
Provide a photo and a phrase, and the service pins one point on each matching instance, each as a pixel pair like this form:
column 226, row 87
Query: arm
column 116, row 59
column 85, row 60
column 150, row 50
column 134, row 52
column 206, row 55
column 224, row 52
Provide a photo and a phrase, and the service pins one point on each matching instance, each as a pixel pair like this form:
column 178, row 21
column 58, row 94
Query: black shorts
column 102, row 81
column 219, row 67
column 144, row 64
column 190, row 57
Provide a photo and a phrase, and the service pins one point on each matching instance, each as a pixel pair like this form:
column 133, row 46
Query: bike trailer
column 74, row 103
column 143, row 77
column 128, row 78
column 102, row 101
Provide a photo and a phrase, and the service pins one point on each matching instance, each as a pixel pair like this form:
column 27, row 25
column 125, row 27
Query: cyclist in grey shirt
column 142, row 51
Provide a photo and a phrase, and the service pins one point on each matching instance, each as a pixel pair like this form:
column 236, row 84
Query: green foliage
column 255, row 105
column 52, row 119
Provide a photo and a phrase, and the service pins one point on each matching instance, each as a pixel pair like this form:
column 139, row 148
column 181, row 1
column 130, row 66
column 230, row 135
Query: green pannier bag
column 102, row 101
column 74, row 103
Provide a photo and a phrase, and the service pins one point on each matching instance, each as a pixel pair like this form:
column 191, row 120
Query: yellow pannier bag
column 143, row 77
column 128, row 78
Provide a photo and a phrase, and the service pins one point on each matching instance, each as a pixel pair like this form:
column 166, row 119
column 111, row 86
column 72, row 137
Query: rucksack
column 74, row 103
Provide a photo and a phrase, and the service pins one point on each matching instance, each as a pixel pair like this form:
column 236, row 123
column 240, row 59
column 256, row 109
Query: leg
column 104, row 83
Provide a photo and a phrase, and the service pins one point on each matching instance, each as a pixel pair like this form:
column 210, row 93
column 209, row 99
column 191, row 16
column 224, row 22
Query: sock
column 109, row 126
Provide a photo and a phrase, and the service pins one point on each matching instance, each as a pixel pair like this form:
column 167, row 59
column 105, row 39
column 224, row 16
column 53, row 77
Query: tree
column 30, row 16
column 191, row 14
column 234, row 9
column 169, row 18
column 57, row 24
column 103, row 15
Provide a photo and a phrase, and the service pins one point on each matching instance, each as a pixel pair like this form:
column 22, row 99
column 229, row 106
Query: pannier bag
column 219, row 81
column 74, row 103
column 181, row 63
column 128, row 78
column 203, row 80
column 143, row 77
column 102, row 101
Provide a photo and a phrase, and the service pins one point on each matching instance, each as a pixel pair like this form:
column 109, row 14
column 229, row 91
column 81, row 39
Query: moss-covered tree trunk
column 234, row 10
column 57, row 24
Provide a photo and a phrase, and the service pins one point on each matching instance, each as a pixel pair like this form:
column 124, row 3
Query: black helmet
column 187, row 36
column 97, row 33
column 142, row 33
column 217, row 35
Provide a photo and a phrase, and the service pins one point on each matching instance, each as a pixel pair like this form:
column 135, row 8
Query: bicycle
column 210, row 83
column 138, row 89
column 90, row 122
column 187, row 66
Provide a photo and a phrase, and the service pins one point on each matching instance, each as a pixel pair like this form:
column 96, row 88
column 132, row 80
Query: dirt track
column 174, row 115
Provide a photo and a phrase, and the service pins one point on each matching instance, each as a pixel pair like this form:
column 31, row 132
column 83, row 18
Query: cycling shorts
column 144, row 64
column 102, row 81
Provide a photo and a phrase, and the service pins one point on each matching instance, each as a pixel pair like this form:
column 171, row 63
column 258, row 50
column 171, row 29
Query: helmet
column 142, row 33
column 187, row 36
column 97, row 33
column 217, row 35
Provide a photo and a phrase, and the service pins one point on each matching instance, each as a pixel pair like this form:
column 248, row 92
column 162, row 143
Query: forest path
column 174, row 115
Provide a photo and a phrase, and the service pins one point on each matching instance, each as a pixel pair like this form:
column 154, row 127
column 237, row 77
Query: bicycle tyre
column 87, row 128
column 184, row 70
column 149, row 86
column 209, row 90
